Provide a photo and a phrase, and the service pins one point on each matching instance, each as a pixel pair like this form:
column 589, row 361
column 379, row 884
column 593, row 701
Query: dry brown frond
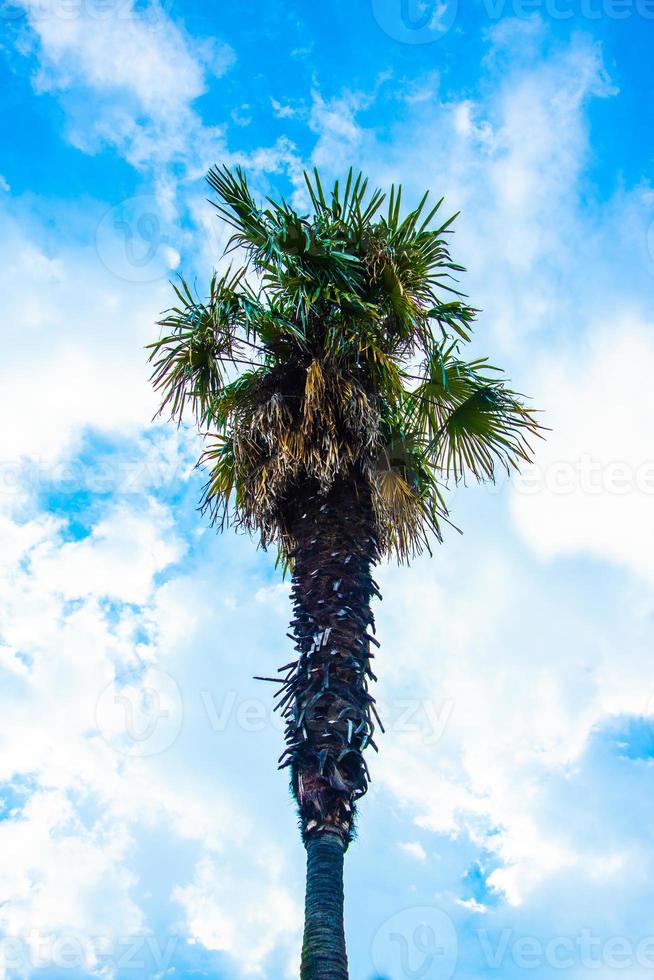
column 399, row 512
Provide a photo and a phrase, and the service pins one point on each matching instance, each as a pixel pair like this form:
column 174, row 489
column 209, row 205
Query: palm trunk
column 323, row 948
column 325, row 699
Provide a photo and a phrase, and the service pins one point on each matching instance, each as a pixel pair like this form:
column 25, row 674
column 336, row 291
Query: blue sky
column 508, row 826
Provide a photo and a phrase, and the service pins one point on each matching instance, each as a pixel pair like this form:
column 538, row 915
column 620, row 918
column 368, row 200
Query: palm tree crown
column 335, row 347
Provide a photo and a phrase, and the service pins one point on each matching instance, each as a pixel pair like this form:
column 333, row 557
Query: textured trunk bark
column 323, row 948
column 325, row 699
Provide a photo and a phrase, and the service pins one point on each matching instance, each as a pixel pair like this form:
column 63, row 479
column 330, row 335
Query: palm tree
column 326, row 372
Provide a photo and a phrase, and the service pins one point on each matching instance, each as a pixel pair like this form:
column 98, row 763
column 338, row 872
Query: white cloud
column 591, row 488
column 143, row 74
column 87, row 785
column 340, row 136
column 285, row 110
column 414, row 849
column 74, row 345
column 512, row 162
column 221, row 915
column 119, row 559
column 120, row 51
column 507, row 769
column 65, row 877
column 68, row 876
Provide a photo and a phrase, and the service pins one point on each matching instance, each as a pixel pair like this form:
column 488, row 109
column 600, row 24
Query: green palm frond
column 199, row 343
column 471, row 421
column 490, row 428
column 221, row 487
column 238, row 209
column 352, row 209
column 346, row 357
